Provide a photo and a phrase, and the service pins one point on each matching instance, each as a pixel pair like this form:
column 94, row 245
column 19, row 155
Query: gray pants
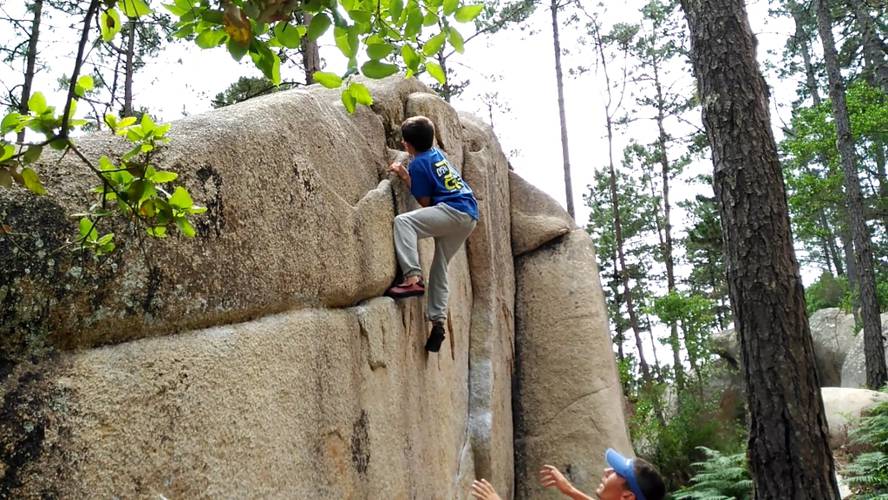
column 450, row 228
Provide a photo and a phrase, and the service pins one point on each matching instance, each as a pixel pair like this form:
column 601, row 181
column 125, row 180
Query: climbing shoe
column 433, row 344
column 402, row 291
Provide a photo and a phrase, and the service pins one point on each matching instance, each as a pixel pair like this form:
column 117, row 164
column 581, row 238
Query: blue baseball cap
column 625, row 467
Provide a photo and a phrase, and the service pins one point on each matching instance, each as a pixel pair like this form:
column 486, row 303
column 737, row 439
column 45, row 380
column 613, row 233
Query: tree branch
column 78, row 63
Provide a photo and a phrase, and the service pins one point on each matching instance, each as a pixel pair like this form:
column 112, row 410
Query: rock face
column 568, row 403
column 854, row 367
column 834, row 344
column 833, row 333
column 536, row 217
column 843, row 407
column 258, row 360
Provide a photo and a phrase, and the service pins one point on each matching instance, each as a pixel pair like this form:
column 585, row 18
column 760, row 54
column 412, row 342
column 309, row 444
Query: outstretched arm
column 551, row 476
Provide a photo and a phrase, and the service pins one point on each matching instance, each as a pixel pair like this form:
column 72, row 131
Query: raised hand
column 551, row 476
column 484, row 490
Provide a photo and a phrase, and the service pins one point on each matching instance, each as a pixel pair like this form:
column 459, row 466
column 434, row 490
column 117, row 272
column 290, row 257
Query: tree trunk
column 311, row 57
column 129, row 70
column 876, row 373
column 624, row 273
column 873, row 55
column 667, row 222
column 804, row 47
column 621, row 355
column 789, row 454
column 830, row 250
column 850, row 264
column 882, row 177
column 30, row 63
column 447, row 90
column 568, row 190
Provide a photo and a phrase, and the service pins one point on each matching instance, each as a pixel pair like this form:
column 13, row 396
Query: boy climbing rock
column 449, row 213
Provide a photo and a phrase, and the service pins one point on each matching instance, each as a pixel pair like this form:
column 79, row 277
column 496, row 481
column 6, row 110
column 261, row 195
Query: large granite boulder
column 492, row 343
column 315, row 403
column 833, row 334
column 258, row 360
column 294, row 193
column 536, row 217
column 568, row 399
column 854, row 367
column 843, row 407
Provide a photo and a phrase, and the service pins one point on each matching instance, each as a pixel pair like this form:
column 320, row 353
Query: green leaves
column 180, row 199
column 468, row 13
column 434, row 44
column 455, row 39
column 89, row 237
column 109, row 23
column 133, row 8
column 377, row 69
column 347, row 41
column 436, row 72
column 414, row 21
column 210, row 38
column 450, row 6
column 288, row 35
column 348, row 100
column 396, row 7
column 266, row 60
column 397, row 35
column 84, row 84
column 411, row 58
column 6, row 152
column 160, row 176
column 32, row 181
column 329, row 80
column 179, row 7
column 37, row 103
column 11, row 122
column 318, row 26
column 33, row 153
column 360, row 93
column 377, row 51
column 356, row 93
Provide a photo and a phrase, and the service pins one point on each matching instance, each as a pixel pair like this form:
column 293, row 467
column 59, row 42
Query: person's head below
column 630, row 478
column 418, row 134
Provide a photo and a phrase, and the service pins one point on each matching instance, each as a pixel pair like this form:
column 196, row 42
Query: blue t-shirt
column 432, row 176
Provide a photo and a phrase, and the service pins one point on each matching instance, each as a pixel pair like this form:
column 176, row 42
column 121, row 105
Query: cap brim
column 620, row 464
column 625, row 468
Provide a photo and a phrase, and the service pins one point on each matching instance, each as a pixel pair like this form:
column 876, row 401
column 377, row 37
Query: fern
column 719, row 477
column 867, row 474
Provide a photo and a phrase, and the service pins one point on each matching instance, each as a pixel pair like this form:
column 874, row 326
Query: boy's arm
column 401, row 171
column 551, row 476
column 398, row 169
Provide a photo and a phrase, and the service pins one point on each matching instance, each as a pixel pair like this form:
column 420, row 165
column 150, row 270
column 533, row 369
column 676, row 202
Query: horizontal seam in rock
column 566, row 407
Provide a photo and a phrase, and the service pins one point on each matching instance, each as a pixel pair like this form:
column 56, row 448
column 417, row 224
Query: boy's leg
column 446, row 247
column 411, row 226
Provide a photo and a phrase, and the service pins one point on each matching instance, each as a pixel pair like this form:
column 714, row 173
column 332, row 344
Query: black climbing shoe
column 433, row 344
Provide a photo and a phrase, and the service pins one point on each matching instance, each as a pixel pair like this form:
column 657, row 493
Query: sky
column 516, row 64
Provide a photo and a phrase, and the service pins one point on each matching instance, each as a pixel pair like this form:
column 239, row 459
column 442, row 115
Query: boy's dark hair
column 419, row 132
column 649, row 480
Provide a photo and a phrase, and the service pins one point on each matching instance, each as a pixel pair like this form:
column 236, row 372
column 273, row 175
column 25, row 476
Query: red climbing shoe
column 403, row 291
column 433, row 344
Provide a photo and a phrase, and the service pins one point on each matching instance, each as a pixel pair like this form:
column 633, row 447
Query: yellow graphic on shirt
column 452, row 180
